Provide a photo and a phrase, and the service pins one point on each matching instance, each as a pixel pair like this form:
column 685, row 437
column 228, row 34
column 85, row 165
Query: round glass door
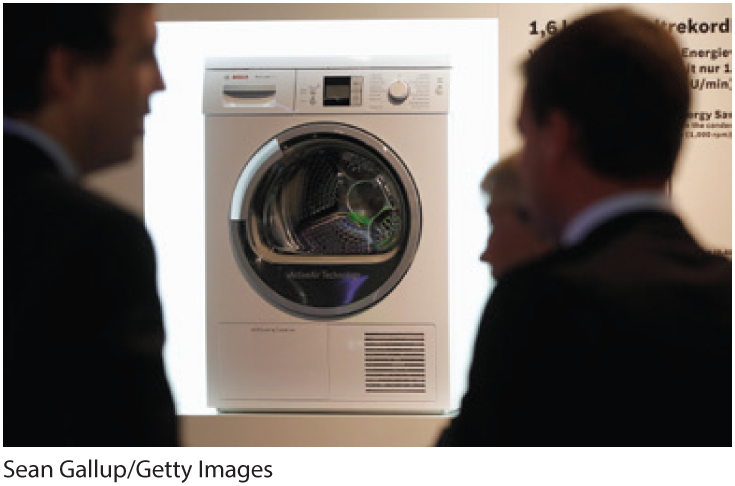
column 325, row 220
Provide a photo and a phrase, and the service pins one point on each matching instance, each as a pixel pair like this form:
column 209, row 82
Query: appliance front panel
column 420, row 297
column 322, row 362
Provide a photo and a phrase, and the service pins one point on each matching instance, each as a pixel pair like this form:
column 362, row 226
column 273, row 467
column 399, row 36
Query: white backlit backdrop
column 174, row 161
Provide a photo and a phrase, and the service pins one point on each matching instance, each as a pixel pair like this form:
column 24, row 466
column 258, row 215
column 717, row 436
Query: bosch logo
column 240, row 76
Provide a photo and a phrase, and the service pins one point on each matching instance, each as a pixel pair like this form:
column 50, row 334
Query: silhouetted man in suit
column 83, row 330
column 623, row 335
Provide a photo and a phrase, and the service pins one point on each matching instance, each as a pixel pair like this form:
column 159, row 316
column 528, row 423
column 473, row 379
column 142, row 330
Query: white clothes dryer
column 327, row 233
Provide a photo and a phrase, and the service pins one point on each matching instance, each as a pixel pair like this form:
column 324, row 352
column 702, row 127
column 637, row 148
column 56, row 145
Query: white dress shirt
column 54, row 151
column 609, row 208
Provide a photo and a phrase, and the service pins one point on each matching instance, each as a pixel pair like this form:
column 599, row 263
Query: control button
column 398, row 92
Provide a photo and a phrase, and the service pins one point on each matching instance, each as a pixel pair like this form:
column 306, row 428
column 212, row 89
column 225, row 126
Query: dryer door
column 325, row 220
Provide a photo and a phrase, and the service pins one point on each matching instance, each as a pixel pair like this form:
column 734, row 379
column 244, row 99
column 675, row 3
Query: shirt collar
column 608, row 208
column 53, row 150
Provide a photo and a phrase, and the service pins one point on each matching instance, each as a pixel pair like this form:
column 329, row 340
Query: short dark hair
column 30, row 31
column 622, row 82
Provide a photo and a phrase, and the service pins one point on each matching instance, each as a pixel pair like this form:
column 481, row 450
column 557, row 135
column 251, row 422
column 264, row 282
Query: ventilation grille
column 395, row 362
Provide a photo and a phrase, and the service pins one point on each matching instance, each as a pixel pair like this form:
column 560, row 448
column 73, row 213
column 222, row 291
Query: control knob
column 398, row 92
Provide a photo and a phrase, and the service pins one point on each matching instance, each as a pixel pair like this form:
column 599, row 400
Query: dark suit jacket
column 82, row 323
column 625, row 339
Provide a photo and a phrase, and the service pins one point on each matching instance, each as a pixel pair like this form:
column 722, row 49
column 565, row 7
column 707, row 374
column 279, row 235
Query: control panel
column 380, row 90
column 393, row 90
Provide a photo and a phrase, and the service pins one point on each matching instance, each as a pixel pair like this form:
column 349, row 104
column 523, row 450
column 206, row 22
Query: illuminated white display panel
column 174, row 161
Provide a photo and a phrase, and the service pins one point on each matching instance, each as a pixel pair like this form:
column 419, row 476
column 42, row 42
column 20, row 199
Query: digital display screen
column 337, row 91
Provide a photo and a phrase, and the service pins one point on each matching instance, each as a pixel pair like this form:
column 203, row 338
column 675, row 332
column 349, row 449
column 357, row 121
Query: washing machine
column 326, row 215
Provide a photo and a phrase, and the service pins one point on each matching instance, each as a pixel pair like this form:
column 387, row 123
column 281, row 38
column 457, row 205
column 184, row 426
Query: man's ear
column 62, row 75
column 559, row 136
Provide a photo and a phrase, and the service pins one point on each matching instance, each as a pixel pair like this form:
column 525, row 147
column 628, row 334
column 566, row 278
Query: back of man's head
column 620, row 80
column 30, row 31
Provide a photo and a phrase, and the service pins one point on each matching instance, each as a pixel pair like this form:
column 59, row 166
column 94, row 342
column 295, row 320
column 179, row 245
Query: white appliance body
column 296, row 320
